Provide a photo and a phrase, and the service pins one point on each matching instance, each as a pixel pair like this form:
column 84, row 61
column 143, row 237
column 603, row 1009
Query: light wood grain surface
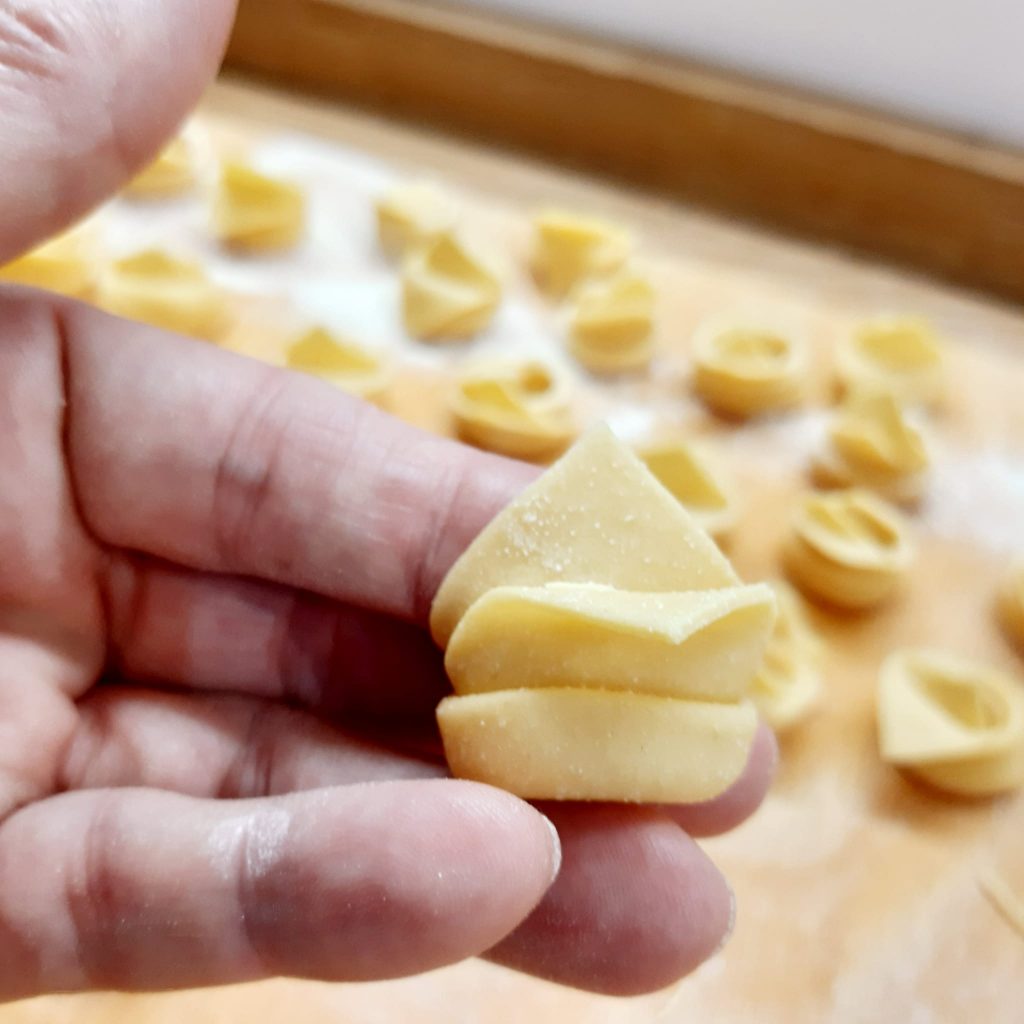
column 858, row 891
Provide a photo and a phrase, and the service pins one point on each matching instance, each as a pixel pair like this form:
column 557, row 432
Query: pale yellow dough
column 412, row 215
column 873, row 443
column 518, row 408
column 156, row 288
column 569, row 248
column 257, row 213
column 701, row 644
column 596, row 516
column 61, row 265
column 848, row 548
column 788, row 684
column 170, row 174
column 696, row 481
column 957, row 724
column 901, row 355
column 745, row 368
column 612, row 327
column 566, row 744
column 341, row 362
column 450, row 290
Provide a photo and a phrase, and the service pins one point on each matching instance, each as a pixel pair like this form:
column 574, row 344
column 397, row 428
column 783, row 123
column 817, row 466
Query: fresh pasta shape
column 155, row 288
column 344, row 363
column 257, row 213
column 613, row 323
column 518, row 409
column 569, row 248
column 412, row 215
column 449, row 290
column 61, row 265
column 596, row 516
column 1011, row 604
column 567, row 744
column 742, row 368
column 170, row 174
column 955, row 723
column 700, row 644
column 872, row 443
column 901, row 355
column 847, row 548
column 694, row 480
column 788, row 684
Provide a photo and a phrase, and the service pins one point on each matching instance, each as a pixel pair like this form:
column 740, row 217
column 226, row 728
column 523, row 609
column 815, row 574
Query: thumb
column 89, row 91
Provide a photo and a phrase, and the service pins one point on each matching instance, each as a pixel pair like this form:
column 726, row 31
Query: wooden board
column 953, row 206
column 858, row 892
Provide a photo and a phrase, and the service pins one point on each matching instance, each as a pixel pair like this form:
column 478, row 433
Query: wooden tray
column 858, row 892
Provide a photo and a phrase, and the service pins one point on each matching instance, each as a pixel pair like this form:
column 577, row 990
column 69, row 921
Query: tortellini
column 61, row 265
column 170, row 174
column 848, row 548
column 901, row 355
column 450, row 291
column 340, row 361
column 612, row 327
column 788, row 683
column 742, row 368
column 520, row 409
column 569, row 248
column 955, row 723
column 257, row 213
column 872, row 443
column 412, row 215
column 693, row 478
column 156, row 288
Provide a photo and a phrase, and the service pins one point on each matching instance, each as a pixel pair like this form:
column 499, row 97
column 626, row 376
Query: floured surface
column 858, row 892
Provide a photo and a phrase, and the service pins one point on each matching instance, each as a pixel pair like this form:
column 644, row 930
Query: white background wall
column 955, row 63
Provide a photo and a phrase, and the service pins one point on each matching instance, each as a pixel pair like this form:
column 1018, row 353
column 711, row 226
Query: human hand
column 215, row 583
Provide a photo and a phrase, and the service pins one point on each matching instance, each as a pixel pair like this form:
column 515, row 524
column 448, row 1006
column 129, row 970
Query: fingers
column 241, row 468
column 89, row 91
column 136, row 889
column 636, row 905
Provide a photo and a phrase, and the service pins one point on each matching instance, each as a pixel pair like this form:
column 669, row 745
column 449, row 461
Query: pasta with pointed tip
column 613, row 323
column 171, row 173
column 61, row 265
column 411, row 215
column 341, row 362
column 569, row 248
column 257, row 213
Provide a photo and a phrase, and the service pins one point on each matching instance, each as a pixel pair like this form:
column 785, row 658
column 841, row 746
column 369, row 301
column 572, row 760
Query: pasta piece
column 744, row 369
column 848, row 548
column 1011, row 605
column 517, row 409
column 449, row 290
column 788, row 683
column 412, row 215
column 702, row 644
column 158, row 289
column 901, row 355
column 257, row 213
column 343, row 363
column 957, row 724
column 568, row 249
column 564, row 744
column 61, row 265
column 613, row 324
column 170, row 174
column 596, row 516
column 873, row 444
column 696, row 483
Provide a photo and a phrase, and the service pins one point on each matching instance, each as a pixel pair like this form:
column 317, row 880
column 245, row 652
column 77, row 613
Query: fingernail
column 556, row 849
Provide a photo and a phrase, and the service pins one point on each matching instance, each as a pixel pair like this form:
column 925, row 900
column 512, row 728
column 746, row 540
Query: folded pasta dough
column 568, row 744
column 256, row 212
column 412, row 215
column 340, row 361
column 848, row 548
column 569, row 248
column 449, row 290
column 61, row 265
column 701, row 644
column 956, row 723
column 598, row 516
column 901, row 355
column 613, row 323
column 155, row 288
column 170, row 174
